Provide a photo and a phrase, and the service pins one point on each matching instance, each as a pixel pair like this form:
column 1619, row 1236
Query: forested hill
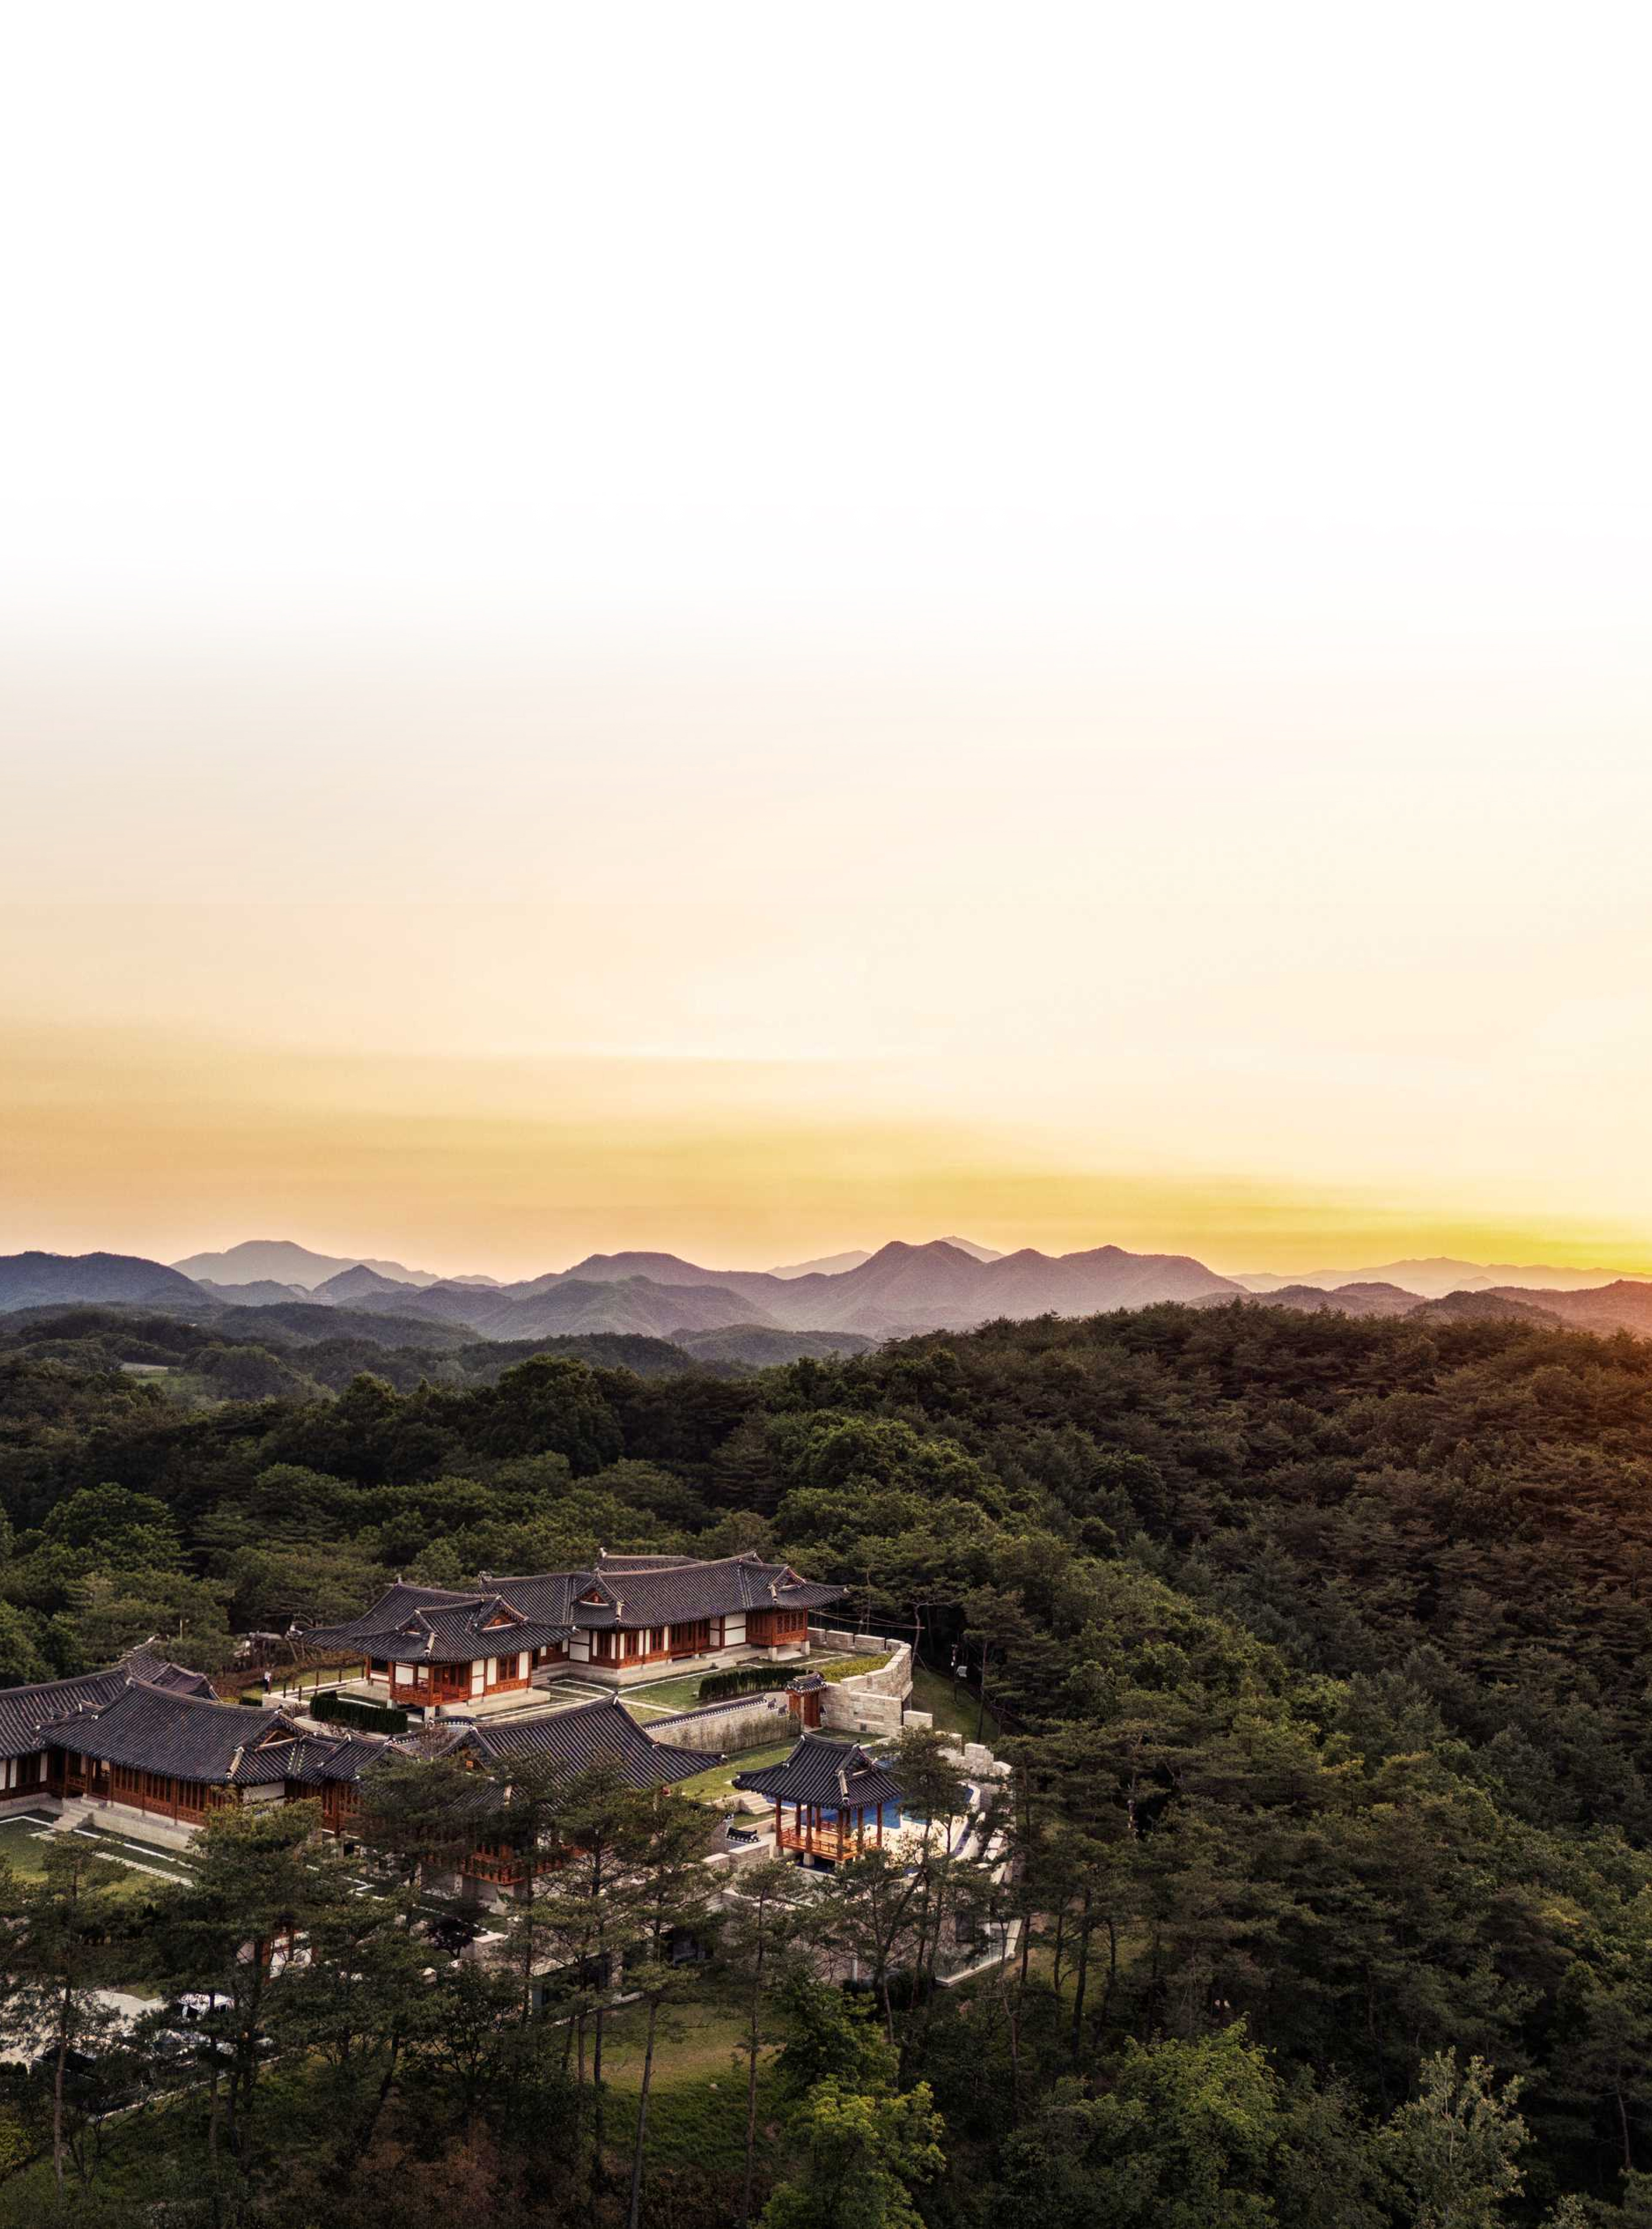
column 1324, row 1643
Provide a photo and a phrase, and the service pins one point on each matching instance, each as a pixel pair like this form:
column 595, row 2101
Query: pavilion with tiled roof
column 839, row 1797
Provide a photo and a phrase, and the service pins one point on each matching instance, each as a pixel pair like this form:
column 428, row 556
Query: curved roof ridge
column 171, row 1694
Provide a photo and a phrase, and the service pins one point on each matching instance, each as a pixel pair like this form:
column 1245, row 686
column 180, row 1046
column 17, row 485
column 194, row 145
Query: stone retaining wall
column 872, row 1702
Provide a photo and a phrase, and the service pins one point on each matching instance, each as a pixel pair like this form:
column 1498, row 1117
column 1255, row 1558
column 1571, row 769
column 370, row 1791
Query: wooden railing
column 507, row 1872
column 504, row 1872
column 827, row 1842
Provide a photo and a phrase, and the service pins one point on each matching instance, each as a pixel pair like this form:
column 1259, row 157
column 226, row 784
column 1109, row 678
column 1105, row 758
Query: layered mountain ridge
column 941, row 1285
column 902, row 1288
column 899, row 1288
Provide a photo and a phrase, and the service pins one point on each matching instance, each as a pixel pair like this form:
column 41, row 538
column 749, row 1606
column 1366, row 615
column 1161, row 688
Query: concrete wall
column 751, row 1853
column 876, row 1715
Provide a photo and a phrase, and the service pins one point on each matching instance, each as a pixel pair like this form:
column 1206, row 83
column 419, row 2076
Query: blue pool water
column 891, row 1818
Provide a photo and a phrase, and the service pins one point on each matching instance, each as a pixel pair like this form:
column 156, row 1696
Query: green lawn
column 21, row 1847
column 24, row 1848
column 667, row 1694
column 948, row 1703
column 696, row 2107
column 693, row 2040
column 716, row 1784
column 129, row 1850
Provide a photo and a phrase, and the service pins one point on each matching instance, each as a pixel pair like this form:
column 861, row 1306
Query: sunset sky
column 1053, row 641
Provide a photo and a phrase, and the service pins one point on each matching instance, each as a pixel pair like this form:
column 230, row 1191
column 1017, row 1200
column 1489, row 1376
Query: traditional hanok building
column 832, row 1799
column 629, row 1618
column 25, row 1749
column 579, row 1740
column 168, row 1753
column 172, row 1757
column 424, row 1646
column 567, row 1742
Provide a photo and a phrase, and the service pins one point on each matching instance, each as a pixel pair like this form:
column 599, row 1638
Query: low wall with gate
column 871, row 1703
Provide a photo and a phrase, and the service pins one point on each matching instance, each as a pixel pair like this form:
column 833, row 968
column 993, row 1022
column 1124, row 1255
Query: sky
column 746, row 632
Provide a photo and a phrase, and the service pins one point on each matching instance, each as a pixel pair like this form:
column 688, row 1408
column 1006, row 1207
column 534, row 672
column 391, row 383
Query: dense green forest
column 1322, row 1651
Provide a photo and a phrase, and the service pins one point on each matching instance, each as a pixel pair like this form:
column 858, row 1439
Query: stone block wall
column 877, row 1716
column 872, row 1702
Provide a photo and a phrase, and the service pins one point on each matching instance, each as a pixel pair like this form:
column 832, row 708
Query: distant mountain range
column 941, row 1286
column 944, row 1285
column 831, row 1265
column 1434, row 1278
column 1625, row 1304
column 278, row 1261
column 44, row 1280
column 899, row 1288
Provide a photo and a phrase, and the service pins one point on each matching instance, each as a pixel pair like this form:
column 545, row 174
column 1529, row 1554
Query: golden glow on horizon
column 1123, row 983
column 165, row 1149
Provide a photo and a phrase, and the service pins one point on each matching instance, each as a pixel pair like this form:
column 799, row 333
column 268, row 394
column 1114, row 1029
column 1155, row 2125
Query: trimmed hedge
column 346, row 1710
column 745, row 1679
column 759, row 1679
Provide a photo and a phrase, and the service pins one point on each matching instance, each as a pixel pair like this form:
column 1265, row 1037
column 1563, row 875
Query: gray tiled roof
column 459, row 1635
column 676, row 1593
column 156, row 1729
column 457, row 1630
column 548, row 1596
column 591, row 1733
column 409, row 1624
column 392, row 1610
column 840, row 1775
column 308, row 1760
column 24, row 1711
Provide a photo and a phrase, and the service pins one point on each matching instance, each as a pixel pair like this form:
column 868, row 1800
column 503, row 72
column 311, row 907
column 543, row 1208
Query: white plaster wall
column 758, row 1721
